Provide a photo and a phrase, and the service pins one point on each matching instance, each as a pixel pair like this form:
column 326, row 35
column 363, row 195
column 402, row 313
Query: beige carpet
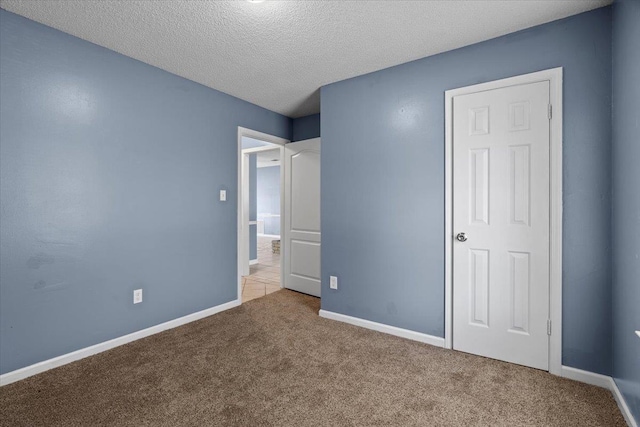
column 274, row 362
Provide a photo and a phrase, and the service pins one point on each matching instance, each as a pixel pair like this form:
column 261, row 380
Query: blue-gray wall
column 306, row 127
column 109, row 177
column 269, row 198
column 253, row 206
column 383, row 181
column 626, row 201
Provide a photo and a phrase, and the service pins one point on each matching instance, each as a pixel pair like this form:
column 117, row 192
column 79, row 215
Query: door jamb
column 554, row 76
column 242, row 228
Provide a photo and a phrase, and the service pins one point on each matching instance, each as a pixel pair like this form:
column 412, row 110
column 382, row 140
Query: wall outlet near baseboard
column 137, row 296
column 333, row 282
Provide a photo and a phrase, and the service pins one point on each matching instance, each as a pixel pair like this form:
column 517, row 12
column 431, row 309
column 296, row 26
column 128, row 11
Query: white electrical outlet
column 223, row 195
column 333, row 282
column 137, row 296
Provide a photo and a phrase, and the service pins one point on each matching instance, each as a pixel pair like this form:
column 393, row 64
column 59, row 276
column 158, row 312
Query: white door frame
column 243, row 197
column 554, row 76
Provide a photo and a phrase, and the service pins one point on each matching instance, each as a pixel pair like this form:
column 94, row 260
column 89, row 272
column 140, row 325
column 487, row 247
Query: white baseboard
column 253, row 261
column 381, row 327
column 566, row 371
column 64, row 359
column 622, row 404
column 586, row 377
column 604, row 382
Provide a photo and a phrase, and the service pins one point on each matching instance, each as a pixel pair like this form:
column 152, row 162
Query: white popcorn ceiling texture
column 277, row 54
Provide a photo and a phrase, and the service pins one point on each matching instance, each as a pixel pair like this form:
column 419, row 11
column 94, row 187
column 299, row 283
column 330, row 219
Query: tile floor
column 264, row 277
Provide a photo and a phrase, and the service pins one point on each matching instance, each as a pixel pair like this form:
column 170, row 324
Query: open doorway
column 264, row 223
column 259, row 214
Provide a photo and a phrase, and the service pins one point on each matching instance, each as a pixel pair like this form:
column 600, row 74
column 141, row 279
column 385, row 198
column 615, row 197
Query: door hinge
column 550, row 111
column 548, row 326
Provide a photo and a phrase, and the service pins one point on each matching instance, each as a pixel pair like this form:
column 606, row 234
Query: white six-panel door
column 302, row 217
column 501, row 224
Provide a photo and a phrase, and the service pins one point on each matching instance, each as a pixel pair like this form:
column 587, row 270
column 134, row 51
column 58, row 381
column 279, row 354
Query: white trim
column 253, row 261
column 64, row 359
column 448, row 219
column 265, row 137
column 604, row 382
column 260, row 149
column 242, row 229
column 622, row 404
column 554, row 76
column 244, row 249
column 283, row 244
column 272, row 236
column 586, row 377
column 380, row 327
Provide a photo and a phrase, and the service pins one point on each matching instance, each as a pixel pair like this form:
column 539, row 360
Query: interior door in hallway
column 302, row 217
column 501, row 224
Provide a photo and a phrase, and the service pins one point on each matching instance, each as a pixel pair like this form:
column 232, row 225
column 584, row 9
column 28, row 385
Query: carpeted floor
column 274, row 362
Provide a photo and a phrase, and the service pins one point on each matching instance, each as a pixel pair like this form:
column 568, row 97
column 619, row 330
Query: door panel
column 305, row 190
column 302, row 217
column 304, row 256
column 501, row 203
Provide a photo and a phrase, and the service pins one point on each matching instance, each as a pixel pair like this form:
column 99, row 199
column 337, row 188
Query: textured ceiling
column 277, row 54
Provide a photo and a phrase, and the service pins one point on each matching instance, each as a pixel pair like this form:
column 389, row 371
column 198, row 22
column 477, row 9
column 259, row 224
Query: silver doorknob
column 461, row 237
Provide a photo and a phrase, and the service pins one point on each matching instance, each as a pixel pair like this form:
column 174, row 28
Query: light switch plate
column 223, row 195
column 137, row 296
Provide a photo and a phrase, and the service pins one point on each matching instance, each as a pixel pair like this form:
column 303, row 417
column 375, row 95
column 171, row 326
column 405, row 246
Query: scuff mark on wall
column 41, row 284
column 40, row 259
